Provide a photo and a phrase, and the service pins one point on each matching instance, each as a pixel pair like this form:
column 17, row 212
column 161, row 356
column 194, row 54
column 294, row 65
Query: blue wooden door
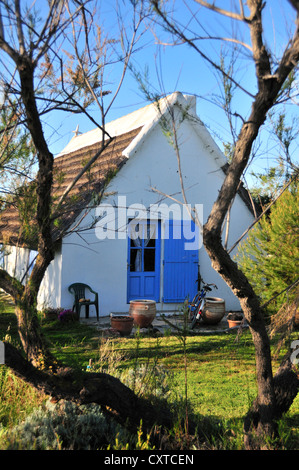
column 181, row 267
column 143, row 280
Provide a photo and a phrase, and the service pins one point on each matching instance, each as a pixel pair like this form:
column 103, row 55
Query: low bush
column 63, row 426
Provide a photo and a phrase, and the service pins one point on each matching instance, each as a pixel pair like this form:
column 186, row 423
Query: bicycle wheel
column 194, row 318
column 192, row 307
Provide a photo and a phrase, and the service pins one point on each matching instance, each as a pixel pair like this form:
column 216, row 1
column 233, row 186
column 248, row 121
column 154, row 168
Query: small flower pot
column 122, row 323
column 234, row 319
column 233, row 323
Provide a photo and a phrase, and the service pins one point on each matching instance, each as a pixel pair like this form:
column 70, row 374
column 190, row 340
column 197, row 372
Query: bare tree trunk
column 45, row 173
column 28, row 324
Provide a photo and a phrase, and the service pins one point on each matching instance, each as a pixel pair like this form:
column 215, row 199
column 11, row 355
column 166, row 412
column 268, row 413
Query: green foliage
column 269, row 257
column 63, row 426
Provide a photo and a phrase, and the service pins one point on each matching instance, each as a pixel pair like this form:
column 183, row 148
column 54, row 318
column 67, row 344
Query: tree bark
column 286, row 385
column 29, row 329
column 44, row 177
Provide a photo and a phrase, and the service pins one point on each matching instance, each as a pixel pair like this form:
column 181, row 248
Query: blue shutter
column 180, row 264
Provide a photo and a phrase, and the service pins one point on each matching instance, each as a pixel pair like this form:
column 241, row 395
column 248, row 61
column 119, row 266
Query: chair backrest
column 78, row 289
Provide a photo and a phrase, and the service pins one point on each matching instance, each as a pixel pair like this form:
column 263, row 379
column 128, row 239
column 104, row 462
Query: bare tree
column 45, row 76
column 275, row 394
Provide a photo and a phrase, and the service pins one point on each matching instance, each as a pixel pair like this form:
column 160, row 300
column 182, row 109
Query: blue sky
column 181, row 69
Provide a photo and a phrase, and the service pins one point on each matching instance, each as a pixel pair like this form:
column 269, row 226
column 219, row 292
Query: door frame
column 143, row 275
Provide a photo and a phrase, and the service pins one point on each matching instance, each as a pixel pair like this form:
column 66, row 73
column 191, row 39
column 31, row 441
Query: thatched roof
column 66, row 168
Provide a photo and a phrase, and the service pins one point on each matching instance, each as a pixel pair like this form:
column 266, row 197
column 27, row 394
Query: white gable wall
column 103, row 263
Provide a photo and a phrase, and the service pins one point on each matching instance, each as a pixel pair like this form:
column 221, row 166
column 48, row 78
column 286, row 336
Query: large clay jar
column 143, row 312
column 214, row 310
column 122, row 323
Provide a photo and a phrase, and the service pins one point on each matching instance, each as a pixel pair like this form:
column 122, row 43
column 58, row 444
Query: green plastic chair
column 78, row 289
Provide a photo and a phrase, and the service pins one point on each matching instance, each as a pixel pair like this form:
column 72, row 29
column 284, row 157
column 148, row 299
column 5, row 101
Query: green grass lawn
column 220, row 370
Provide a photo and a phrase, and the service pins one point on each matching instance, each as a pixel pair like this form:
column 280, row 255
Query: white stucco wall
column 49, row 294
column 15, row 261
column 103, row 263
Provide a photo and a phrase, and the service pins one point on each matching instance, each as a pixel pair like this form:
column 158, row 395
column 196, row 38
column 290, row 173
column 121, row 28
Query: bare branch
column 128, row 53
column 260, row 53
column 230, row 14
column 178, row 32
column 204, row 38
column 56, row 25
column 19, row 27
column 48, row 20
column 7, row 48
column 1, row 26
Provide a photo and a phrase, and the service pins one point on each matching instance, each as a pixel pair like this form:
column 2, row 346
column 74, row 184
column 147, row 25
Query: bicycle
column 196, row 307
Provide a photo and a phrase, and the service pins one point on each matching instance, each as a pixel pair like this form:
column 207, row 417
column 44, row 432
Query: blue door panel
column 180, row 265
column 149, row 286
column 135, row 286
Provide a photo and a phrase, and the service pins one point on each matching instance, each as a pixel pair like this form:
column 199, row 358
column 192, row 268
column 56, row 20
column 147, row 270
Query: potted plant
column 234, row 319
column 122, row 323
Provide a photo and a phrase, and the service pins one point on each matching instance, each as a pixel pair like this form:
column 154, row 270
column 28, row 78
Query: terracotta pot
column 214, row 310
column 143, row 311
column 122, row 323
column 232, row 323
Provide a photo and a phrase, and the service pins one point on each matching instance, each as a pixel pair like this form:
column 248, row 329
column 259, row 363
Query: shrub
column 67, row 316
column 148, row 380
column 63, row 426
column 51, row 313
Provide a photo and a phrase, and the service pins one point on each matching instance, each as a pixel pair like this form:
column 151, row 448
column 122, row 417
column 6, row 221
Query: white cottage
column 135, row 241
